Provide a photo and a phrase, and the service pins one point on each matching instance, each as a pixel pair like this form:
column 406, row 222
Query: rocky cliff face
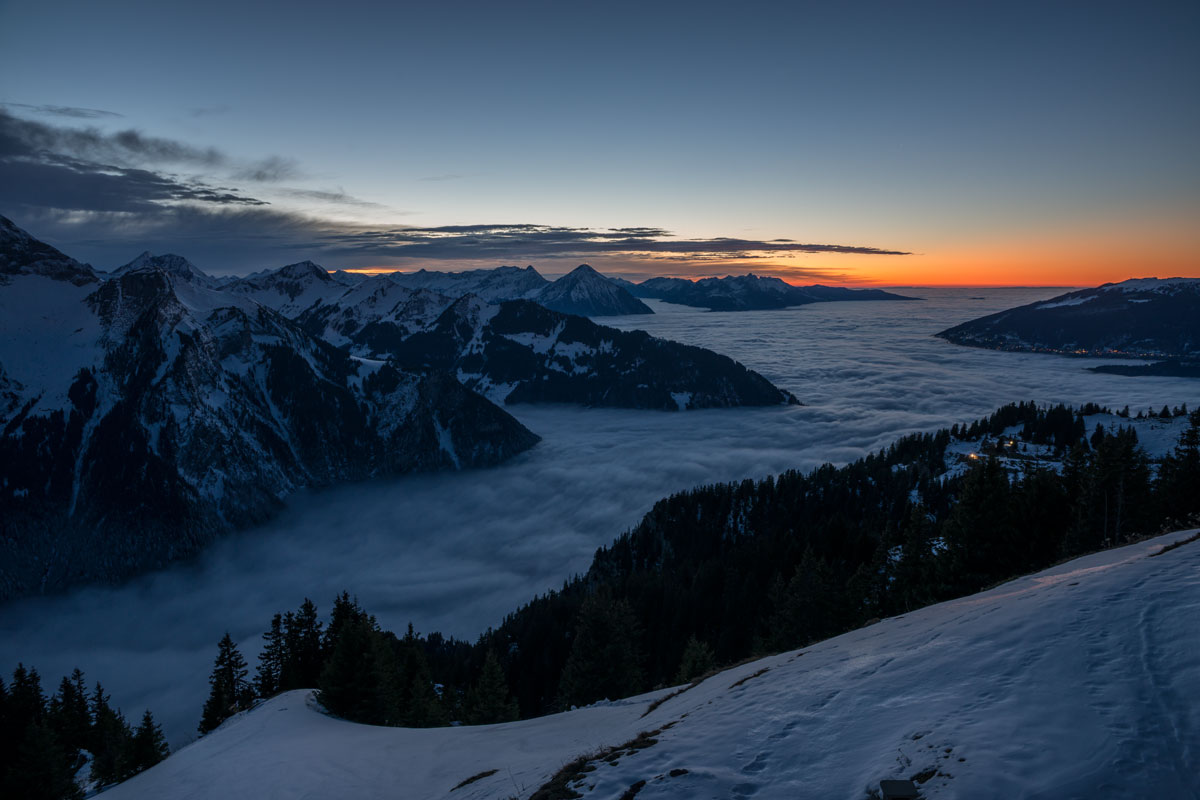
column 522, row 352
column 145, row 414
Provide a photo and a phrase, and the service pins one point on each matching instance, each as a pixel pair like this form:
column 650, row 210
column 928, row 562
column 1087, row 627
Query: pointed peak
column 583, row 271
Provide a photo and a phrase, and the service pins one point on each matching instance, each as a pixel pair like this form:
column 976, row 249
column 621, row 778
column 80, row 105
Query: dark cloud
column 63, row 111
column 86, row 186
column 42, row 172
column 527, row 241
column 26, row 137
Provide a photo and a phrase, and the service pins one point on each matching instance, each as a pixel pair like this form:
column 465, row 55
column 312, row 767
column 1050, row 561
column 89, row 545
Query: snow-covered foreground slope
column 1079, row 681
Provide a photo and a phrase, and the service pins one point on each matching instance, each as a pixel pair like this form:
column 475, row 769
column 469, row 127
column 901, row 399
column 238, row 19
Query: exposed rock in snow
column 522, row 352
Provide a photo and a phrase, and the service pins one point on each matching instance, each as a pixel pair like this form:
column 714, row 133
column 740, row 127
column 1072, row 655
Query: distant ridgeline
column 747, row 292
column 1139, row 318
column 147, row 411
column 725, row 572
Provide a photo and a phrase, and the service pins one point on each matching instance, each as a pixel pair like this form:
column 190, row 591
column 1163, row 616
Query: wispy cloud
column 438, row 178
column 338, row 197
column 270, row 170
column 74, row 112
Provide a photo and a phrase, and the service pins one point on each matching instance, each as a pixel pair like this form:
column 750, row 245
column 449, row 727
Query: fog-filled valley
column 455, row 552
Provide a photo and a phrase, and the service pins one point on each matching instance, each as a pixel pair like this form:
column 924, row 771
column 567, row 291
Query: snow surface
column 1169, row 285
column 1074, row 301
column 1079, row 681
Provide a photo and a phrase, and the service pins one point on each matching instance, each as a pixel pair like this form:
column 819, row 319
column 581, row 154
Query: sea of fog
column 455, row 552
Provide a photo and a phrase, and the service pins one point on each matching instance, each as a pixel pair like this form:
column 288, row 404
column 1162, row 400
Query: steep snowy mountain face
column 749, row 292
column 522, row 352
column 1078, row 681
column 177, row 267
column 289, row 290
column 1143, row 317
column 373, row 315
column 585, row 292
column 491, row 285
column 143, row 415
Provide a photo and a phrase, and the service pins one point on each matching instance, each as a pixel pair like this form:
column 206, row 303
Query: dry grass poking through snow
column 560, row 787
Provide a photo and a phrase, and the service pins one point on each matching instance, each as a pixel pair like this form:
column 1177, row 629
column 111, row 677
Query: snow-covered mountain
column 289, row 290
column 176, row 266
column 142, row 415
column 747, row 292
column 510, row 351
column 157, row 406
column 522, row 352
column 582, row 291
column 1141, row 317
column 1078, row 681
column 585, row 292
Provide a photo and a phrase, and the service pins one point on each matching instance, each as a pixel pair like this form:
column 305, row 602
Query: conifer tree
column 605, row 661
column 489, row 700
column 697, row 660
column 268, row 679
column 69, row 716
column 110, row 740
column 148, row 746
column 420, row 706
column 354, row 682
column 303, row 659
column 230, row 692
column 43, row 770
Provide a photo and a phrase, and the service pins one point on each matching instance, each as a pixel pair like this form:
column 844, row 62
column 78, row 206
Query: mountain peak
column 584, row 270
column 170, row 263
column 304, row 269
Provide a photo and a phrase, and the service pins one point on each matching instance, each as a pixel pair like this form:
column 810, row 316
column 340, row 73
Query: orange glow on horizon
column 1051, row 258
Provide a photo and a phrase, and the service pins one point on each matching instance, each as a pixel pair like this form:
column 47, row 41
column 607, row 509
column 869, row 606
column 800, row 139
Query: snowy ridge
column 1078, row 681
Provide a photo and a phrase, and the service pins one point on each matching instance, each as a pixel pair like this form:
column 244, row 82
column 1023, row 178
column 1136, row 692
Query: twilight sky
column 894, row 143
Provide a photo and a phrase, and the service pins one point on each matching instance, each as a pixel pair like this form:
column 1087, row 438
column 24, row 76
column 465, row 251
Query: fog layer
column 456, row 552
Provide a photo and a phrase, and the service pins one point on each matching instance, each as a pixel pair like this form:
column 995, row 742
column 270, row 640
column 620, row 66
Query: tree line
column 724, row 572
column 46, row 742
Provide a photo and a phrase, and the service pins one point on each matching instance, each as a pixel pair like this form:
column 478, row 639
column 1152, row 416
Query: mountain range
column 145, row 411
column 582, row 291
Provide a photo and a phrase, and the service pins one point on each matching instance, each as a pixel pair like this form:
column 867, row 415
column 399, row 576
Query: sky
column 855, row 143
